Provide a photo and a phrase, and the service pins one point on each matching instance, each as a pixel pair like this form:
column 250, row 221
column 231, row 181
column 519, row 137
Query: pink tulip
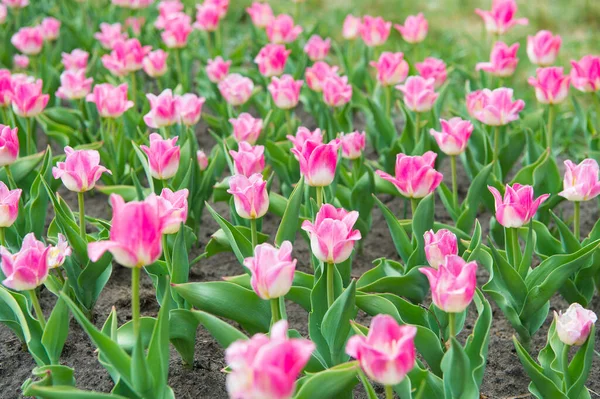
column 518, row 206
column 281, row 29
column 217, row 69
column 415, row 28
column 260, row 13
column 502, row 17
column 177, row 31
column 494, row 107
column 167, row 9
column 248, row 160
column 353, row 144
column 236, row 89
column 207, row 17
column 190, row 108
column 21, row 61
column 75, row 60
column 285, row 91
column 6, row 86
column 220, row 5
column 271, row 59
column 50, row 28
column 266, row 367
column 438, row 246
column 28, row 99
column 155, row 63
column 9, row 145
column 272, row 270
column 574, row 326
column 74, row 85
column 246, row 128
column 58, row 253
column 351, row 27
column 316, row 75
column 452, row 284
column 164, row 110
column 388, row 353
column 542, row 49
column 28, row 268
column 391, row 68
column 28, row 40
column 303, row 135
column 110, row 101
column 337, row 91
column 433, row 68
column 503, row 60
column 16, row 4
column 419, row 94
column 173, row 209
column 318, row 162
column 126, row 56
column 331, row 235
column 454, row 136
column 317, row 48
column 585, row 75
column 133, row 4
column 202, row 160
column 551, row 85
column 135, row 233
column 81, row 169
column 163, row 156
column 135, row 24
column 3, row 14
column 374, row 31
column 109, row 35
column 250, row 195
column 581, row 181
column 415, row 175
column 9, row 205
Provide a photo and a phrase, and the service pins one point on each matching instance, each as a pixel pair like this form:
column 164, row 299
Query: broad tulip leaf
column 330, row 383
column 289, row 222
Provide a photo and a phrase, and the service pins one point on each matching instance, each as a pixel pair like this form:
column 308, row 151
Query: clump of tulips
column 126, row 105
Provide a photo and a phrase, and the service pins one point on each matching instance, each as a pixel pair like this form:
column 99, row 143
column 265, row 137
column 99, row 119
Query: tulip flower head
column 494, row 107
column 110, row 101
column 318, row 161
column 28, row 268
column 248, row 160
column 166, row 10
column 336, row 91
column 271, row 59
column 452, row 284
column 74, row 85
column 374, row 31
column 503, row 60
column 173, row 209
column 217, row 69
column 16, row 4
column 581, row 181
column 316, row 75
column 177, row 30
column 414, row 29
column 207, row 17
column 6, row 87
column 9, row 145
column 9, row 205
column 155, row 63
column 163, row 156
column 551, row 85
column 236, row 89
column 574, row 326
column 109, row 35
column 21, row 61
column 351, row 27
column 454, row 136
column 585, row 75
column 50, row 28
column 438, row 246
column 75, row 60
column 190, row 108
column 542, row 49
column 415, row 175
column 281, row 29
column 164, row 110
column 27, row 98
column 246, row 128
column 317, row 48
column 387, row 353
column 392, row 69
column 202, row 160
column 58, row 253
column 272, row 270
column 81, row 169
column 433, row 68
column 127, row 56
column 518, row 206
column 501, row 18
column 250, row 195
column 285, row 91
column 28, row 40
column 353, row 144
column 419, row 94
column 303, row 135
column 261, row 14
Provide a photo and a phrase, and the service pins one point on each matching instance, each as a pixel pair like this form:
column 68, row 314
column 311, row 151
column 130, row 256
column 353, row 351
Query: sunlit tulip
column 351, row 27
column 75, row 60
column 155, row 63
column 542, row 49
column 250, row 195
column 353, row 144
column 28, row 99
column 167, row 9
column 494, row 107
column 217, row 69
column 452, row 284
column 501, row 18
column 109, row 35
column 551, row 85
column 260, row 13
column 581, row 181
column 9, row 145
column 574, row 326
column 202, row 160
column 111, row 101
column 163, row 156
column 271, row 59
column 164, row 109
column 236, row 89
column 391, row 68
column 266, row 367
column 272, row 270
column 303, row 135
column 415, row 175
column 173, row 209
column 454, row 136
column 336, row 90
column 419, row 94
column 135, row 233
column 438, row 246
column 190, row 108
column 503, row 60
column 285, row 91
column 177, row 31
column 414, row 29
column 28, row 40
column 246, row 128
column 331, row 235
column 374, row 31
column 281, row 29
column 518, row 206
column 585, row 75
column 433, row 68
column 387, row 353
column 207, row 17
column 316, row 75
column 28, row 268
column 21, row 61
column 317, row 48
column 9, row 205
column 74, row 85
column 248, row 159
column 50, row 28
column 81, row 169
column 126, row 56
column 318, row 162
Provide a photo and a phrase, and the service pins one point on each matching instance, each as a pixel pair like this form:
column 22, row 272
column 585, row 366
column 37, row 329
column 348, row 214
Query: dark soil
column 504, row 375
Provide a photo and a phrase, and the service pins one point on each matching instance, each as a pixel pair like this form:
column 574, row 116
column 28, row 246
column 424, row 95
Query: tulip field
column 299, row 199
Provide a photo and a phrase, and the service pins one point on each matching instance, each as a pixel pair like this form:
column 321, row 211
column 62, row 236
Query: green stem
column 549, row 128
column 576, row 219
column 275, row 317
column 413, row 206
column 356, row 164
column 3, row 236
column 37, row 308
column 254, row 231
column 81, row 216
column 565, row 367
column 516, row 248
column 9, row 176
column 133, row 87
column 388, row 100
column 319, row 197
column 596, row 100
column 288, row 120
column 417, row 127
column 165, row 244
column 330, row 285
column 496, row 143
column 29, row 137
column 135, row 301
column 208, row 44
column 389, row 392
column 179, row 66
column 454, row 181
column 451, row 329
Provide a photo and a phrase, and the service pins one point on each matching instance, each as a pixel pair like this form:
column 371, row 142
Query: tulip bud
column 50, row 28
column 28, row 40
column 573, row 326
column 202, row 160
column 81, row 169
column 163, row 156
column 316, row 75
column 438, row 246
column 272, row 270
column 207, row 17
column 250, row 195
column 109, row 35
column 9, row 205
column 21, row 61
column 452, row 284
column 581, row 181
column 177, row 30
column 353, row 144
column 28, row 268
column 9, row 145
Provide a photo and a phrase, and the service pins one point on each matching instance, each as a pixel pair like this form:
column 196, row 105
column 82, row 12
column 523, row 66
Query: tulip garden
column 231, row 199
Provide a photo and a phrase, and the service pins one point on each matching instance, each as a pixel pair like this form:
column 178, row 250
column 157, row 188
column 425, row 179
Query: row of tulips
column 142, row 150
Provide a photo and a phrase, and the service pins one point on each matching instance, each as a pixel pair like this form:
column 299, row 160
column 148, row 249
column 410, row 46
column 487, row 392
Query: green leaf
column 22, row 166
column 399, row 237
column 56, row 331
column 477, row 189
column 242, row 247
column 180, row 263
column 580, row 366
column 389, row 277
column 66, row 392
column 158, row 350
column 476, row 346
column 336, row 323
column 329, row 383
column 289, row 222
column 421, row 222
column 458, row 379
column 224, row 333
